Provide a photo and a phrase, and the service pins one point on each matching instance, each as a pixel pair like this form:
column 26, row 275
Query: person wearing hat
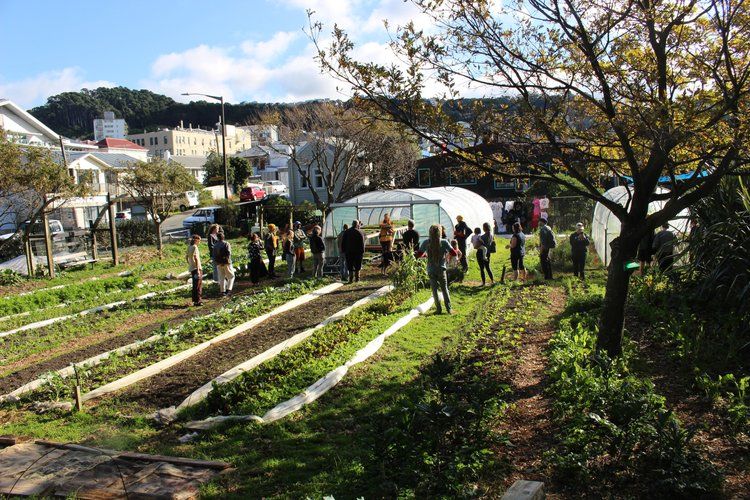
column 579, row 248
column 411, row 237
column 461, row 232
column 546, row 243
column 298, row 243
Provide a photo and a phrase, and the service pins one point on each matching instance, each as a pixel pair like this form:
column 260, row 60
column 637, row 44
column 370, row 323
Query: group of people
column 220, row 253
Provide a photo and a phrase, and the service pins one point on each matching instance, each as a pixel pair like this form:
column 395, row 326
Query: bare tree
column 156, row 185
column 340, row 150
column 621, row 88
column 32, row 181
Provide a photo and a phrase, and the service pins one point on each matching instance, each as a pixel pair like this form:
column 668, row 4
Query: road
column 174, row 222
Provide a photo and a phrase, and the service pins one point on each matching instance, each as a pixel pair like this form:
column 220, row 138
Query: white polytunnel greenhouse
column 440, row 205
column 605, row 226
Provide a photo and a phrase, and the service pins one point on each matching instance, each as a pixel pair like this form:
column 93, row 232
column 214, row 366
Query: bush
column 229, row 214
column 410, row 273
column 136, row 232
column 276, row 211
column 205, row 198
column 9, row 277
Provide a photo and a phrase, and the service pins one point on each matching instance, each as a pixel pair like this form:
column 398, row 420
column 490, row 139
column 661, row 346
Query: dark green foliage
column 9, row 277
column 136, row 232
column 276, row 211
column 613, row 426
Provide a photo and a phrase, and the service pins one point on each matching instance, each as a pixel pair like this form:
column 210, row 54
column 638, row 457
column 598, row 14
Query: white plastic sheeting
column 450, row 202
column 320, row 387
column 605, row 226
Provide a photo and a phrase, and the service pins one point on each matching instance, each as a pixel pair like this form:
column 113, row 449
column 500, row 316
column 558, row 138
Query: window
column 303, row 181
column 460, row 179
column 500, row 185
column 318, row 179
column 423, row 177
column 165, row 139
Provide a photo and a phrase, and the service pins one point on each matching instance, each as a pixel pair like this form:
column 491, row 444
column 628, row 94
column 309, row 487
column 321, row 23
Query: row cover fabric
column 605, row 226
column 321, row 386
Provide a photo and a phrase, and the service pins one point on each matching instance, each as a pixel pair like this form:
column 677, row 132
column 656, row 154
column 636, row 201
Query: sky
column 252, row 50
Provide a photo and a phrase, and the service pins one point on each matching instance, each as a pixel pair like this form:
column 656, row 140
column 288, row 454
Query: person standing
column 213, row 238
column 353, row 245
column 645, row 253
column 517, row 252
column 254, row 253
column 461, row 232
column 488, row 242
column 222, row 255
column 287, row 247
column 343, row 270
column 193, row 258
column 454, row 260
column 579, row 249
column 271, row 245
column 546, row 243
column 386, row 243
column 318, row 248
column 663, row 247
column 411, row 237
column 436, row 249
column 299, row 246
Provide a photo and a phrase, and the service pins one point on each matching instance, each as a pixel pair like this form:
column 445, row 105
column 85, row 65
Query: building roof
column 110, row 142
column 116, row 160
column 26, row 116
column 189, row 162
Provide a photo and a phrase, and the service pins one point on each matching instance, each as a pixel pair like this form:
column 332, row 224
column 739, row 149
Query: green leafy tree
column 625, row 88
column 156, row 185
column 241, row 170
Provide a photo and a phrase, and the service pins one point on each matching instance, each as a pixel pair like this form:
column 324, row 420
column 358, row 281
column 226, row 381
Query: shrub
column 136, row 232
column 9, row 277
column 410, row 273
column 276, row 211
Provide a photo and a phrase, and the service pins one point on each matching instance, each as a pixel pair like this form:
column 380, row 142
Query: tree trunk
column 612, row 317
column 159, row 244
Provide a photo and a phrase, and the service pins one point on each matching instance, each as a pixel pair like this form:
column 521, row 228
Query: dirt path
column 529, row 424
column 173, row 385
column 674, row 381
column 93, row 343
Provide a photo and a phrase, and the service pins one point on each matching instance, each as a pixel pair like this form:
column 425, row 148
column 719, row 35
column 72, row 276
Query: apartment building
column 181, row 141
column 109, row 127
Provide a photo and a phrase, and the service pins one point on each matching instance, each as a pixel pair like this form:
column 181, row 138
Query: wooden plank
column 7, row 441
column 525, row 490
column 130, row 455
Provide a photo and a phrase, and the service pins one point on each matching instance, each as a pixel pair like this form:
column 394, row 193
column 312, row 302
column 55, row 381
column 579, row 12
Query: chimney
column 180, row 123
column 191, row 126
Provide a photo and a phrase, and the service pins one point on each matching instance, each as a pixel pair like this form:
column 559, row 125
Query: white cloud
column 270, row 49
column 31, row 91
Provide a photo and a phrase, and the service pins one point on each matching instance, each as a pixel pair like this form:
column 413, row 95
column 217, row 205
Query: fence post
column 48, row 241
column 112, row 230
column 606, row 247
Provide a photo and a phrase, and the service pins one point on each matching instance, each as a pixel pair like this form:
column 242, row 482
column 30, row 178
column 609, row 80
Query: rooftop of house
column 109, row 142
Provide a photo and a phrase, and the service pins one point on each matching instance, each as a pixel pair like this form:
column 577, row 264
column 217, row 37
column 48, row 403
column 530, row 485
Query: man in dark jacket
column 546, row 243
column 411, row 237
column 579, row 249
column 461, row 232
column 353, row 246
column 663, row 247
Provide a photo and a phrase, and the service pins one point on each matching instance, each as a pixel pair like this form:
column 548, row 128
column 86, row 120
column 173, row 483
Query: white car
column 123, row 216
column 274, row 187
column 205, row 215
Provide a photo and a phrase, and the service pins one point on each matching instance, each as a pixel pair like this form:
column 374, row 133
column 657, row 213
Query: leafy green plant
column 410, row 273
column 9, row 277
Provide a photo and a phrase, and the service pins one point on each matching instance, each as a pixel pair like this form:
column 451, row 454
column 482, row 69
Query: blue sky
column 251, row 50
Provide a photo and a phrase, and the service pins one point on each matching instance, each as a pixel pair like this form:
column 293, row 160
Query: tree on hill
column 627, row 89
column 156, row 185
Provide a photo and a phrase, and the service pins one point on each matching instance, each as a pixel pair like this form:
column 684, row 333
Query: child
column 454, row 260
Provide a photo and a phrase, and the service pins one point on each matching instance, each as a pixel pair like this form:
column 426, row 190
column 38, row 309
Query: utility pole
column 224, row 149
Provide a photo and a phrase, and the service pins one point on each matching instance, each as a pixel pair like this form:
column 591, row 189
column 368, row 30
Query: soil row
column 93, row 343
column 173, row 385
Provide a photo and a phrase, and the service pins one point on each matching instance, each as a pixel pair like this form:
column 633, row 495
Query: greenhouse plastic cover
column 450, row 202
column 605, row 226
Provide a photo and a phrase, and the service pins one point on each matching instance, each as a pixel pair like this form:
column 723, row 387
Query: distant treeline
column 71, row 114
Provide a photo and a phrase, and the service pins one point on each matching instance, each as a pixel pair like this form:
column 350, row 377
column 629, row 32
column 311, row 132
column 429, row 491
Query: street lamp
column 223, row 138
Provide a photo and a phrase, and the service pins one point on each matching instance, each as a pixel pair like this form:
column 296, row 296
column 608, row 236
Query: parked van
column 188, row 200
column 205, row 215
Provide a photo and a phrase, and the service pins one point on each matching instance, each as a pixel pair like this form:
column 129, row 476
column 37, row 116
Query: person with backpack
column 213, row 238
column 254, row 253
column 318, row 248
column 271, row 245
column 663, row 247
column 488, row 244
column 546, row 243
column 517, row 252
column 461, row 232
column 193, row 258
column 298, row 242
column 222, row 255
column 579, row 249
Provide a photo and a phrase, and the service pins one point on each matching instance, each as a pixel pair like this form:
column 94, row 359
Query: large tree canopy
column 643, row 89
